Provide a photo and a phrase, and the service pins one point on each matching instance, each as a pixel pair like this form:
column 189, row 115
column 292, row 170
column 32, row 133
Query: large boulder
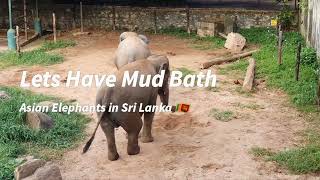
column 39, row 120
column 235, row 42
column 28, row 168
column 4, row 95
column 48, row 172
column 37, row 169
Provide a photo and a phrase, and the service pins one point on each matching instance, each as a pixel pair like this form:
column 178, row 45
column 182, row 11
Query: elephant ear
column 144, row 38
column 124, row 35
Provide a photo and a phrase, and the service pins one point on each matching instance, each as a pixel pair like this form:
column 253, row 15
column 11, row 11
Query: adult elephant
column 131, row 122
column 132, row 47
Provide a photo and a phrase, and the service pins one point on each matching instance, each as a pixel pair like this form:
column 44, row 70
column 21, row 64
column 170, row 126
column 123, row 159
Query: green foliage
column 224, row 116
column 240, row 66
column 303, row 92
column 17, row 139
column 11, row 58
column 261, row 152
column 38, row 56
column 50, row 45
column 185, row 71
column 300, row 160
column 303, row 4
column 286, row 17
column 202, row 43
column 309, row 57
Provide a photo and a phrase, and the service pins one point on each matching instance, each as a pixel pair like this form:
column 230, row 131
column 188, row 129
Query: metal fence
column 253, row 4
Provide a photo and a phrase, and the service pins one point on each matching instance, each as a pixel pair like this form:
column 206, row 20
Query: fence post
column 25, row 19
column 17, row 39
column 81, row 17
column 188, row 19
column 155, row 20
column 280, row 46
column 54, row 27
column 298, row 61
column 113, row 18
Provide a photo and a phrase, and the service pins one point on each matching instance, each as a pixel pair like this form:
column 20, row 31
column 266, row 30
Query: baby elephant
column 131, row 48
column 131, row 122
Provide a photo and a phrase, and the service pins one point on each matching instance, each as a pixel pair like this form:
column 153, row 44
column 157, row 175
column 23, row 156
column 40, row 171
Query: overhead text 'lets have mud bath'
column 134, row 79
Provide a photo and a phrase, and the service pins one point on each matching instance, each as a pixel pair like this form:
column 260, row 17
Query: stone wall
column 145, row 19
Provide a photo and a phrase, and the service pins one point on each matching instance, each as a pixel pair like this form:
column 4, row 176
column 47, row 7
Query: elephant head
column 160, row 63
column 124, row 35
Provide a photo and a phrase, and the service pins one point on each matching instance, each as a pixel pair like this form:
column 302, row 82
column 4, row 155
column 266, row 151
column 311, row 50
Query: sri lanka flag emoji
column 182, row 107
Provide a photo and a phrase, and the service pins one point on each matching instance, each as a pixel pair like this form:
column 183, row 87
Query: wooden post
column 54, row 28
column 25, row 20
column 280, row 47
column 17, row 39
column 188, row 19
column 248, row 82
column 81, row 17
column 298, row 61
column 113, row 18
column 155, row 20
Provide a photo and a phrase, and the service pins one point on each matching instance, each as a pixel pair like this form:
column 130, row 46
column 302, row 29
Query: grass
column 16, row 139
column 238, row 66
column 185, row 71
column 303, row 92
column 252, row 106
column 300, row 160
column 50, row 45
column 38, row 56
column 261, row 152
column 224, row 116
column 202, row 43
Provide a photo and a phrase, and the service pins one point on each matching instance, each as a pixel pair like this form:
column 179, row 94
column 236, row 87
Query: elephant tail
column 89, row 142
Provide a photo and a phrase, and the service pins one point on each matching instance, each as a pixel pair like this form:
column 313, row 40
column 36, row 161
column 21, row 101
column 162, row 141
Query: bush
column 309, row 57
column 286, row 17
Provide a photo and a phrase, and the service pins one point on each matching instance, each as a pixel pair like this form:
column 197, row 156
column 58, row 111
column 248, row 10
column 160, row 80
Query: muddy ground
column 193, row 145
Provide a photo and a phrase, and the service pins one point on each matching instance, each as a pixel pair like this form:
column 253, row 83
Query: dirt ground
column 191, row 145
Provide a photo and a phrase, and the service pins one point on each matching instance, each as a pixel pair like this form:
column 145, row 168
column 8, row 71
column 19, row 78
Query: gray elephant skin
column 132, row 47
column 131, row 122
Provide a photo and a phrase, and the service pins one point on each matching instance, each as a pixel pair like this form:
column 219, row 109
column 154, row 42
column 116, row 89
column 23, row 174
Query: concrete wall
column 310, row 24
column 140, row 19
column 144, row 19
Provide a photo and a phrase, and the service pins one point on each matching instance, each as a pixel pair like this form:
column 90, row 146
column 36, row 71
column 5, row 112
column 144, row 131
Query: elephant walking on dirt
column 131, row 122
column 132, row 47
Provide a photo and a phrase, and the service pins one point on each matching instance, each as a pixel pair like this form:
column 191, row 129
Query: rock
column 4, row 95
column 235, row 42
column 28, row 168
column 48, row 172
column 39, row 120
column 48, row 104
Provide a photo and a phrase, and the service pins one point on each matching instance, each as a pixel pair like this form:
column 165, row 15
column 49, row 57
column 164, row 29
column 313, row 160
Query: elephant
column 124, row 35
column 131, row 122
column 132, row 47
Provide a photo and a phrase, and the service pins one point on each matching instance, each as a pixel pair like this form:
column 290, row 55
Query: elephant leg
column 108, row 130
column 133, row 134
column 147, row 126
